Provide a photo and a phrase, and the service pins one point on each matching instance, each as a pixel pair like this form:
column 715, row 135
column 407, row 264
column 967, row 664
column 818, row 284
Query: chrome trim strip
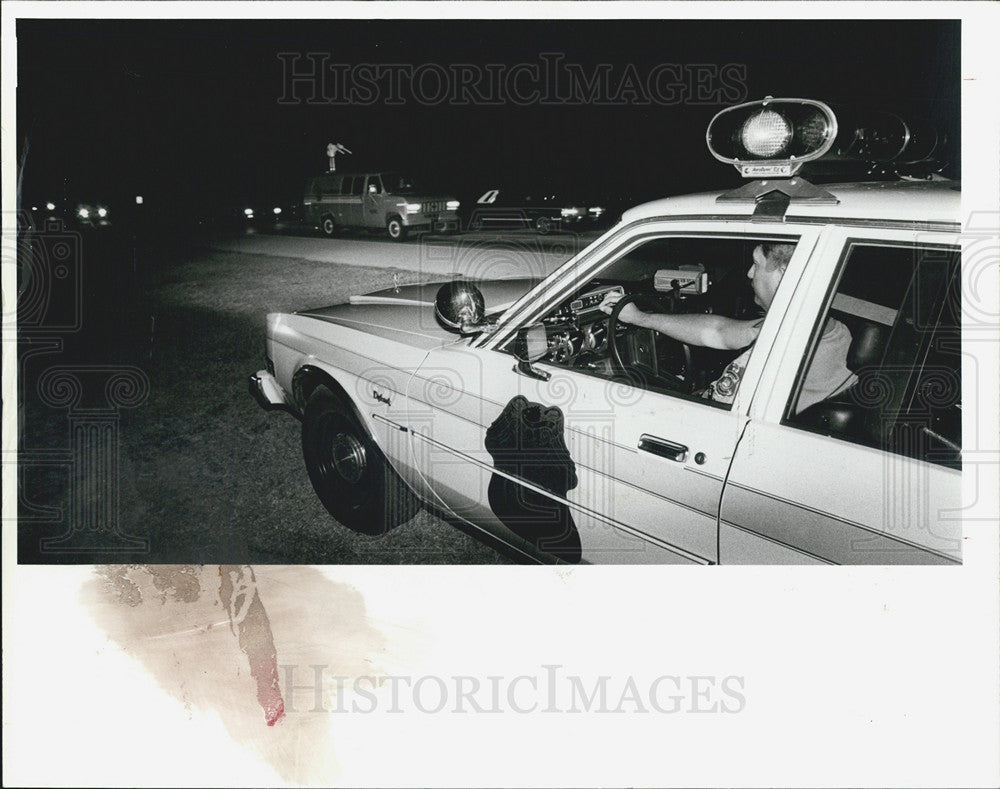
column 399, row 427
column 885, row 224
column 572, row 505
column 777, row 542
column 843, row 523
column 598, row 472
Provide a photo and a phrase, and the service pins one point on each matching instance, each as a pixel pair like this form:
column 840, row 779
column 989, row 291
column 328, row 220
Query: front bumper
column 442, row 220
column 267, row 391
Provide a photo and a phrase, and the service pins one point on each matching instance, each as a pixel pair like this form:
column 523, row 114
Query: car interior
column 901, row 306
column 666, row 274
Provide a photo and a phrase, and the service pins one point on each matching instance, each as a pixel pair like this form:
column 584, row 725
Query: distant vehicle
column 71, row 213
column 541, row 210
column 267, row 215
column 540, row 414
column 376, row 201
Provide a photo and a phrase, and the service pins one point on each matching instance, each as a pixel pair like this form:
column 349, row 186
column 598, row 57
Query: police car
column 572, row 435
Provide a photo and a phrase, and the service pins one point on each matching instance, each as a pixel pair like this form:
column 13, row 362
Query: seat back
column 849, row 412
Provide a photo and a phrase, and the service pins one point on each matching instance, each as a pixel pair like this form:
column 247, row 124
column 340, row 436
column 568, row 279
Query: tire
column 328, row 226
column 395, row 228
column 543, row 225
column 348, row 471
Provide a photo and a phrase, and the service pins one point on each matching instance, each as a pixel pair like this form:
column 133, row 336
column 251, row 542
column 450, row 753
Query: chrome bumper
column 267, row 391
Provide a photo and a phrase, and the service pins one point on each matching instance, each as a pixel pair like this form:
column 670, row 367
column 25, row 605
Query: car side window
column 883, row 368
column 347, row 185
column 673, row 275
column 358, row 186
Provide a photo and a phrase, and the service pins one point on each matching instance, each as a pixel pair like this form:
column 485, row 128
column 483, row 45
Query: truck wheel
column 543, row 225
column 348, row 471
column 396, row 229
column 329, row 226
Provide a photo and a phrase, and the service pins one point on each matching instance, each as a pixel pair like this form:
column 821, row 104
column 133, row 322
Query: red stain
column 249, row 622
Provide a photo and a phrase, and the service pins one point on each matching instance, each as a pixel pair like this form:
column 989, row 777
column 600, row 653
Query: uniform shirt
column 828, row 373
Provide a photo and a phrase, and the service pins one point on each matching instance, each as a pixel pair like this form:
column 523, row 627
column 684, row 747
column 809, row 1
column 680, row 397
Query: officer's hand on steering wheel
column 629, row 314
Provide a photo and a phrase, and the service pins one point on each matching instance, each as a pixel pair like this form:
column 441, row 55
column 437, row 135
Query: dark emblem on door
column 527, row 442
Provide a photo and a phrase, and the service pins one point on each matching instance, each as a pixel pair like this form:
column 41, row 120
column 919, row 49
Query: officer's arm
column 711, row 331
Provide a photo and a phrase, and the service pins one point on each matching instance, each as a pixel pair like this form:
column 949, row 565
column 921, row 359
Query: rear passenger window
column 900, row 307
column 347, row 185
column 359, row 184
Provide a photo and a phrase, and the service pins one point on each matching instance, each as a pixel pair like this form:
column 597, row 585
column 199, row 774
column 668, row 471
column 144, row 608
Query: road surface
column 188, row 469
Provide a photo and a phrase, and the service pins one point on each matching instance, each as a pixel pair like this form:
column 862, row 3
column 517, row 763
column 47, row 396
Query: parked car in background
column 71, row 213
column 543, row 210
column 385, row 201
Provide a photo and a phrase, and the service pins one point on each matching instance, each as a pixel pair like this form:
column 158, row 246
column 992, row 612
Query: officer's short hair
column 777, row 255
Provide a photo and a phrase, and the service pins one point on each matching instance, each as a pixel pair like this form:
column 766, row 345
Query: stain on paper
column 220, row 639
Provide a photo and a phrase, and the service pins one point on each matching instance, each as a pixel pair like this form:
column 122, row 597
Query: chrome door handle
column 663, row 448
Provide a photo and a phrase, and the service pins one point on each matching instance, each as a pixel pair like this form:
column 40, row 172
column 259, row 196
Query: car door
column 353, row 208
column 642, row 473
column 871, row 476
column 373, row 208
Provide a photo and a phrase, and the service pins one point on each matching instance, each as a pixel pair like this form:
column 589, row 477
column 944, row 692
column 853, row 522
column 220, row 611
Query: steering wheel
column 638, row 359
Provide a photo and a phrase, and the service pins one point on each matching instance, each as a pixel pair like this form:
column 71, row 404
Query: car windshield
column 398, row 184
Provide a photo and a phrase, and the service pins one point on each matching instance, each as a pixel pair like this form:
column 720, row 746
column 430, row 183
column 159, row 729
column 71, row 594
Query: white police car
column 526, row 411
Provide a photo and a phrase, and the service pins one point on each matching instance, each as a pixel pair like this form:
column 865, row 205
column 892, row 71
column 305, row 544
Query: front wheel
column 348, row 471
column 396, row 229
column 328, row 226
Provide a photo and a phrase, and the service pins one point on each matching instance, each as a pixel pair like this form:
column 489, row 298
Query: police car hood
column 406, row 313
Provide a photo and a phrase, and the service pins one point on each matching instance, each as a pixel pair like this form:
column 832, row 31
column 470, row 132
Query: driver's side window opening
column 687, row 315
column 902, row 307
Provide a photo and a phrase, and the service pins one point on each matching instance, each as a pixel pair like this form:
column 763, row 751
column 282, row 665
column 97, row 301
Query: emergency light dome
column 772, row 137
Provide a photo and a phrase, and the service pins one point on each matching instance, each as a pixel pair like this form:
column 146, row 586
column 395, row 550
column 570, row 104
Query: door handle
column 663, row 448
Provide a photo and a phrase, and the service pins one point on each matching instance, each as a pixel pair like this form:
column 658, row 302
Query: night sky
column 191, row 113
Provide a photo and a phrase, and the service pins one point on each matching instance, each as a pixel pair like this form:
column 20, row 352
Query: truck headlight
column 413, row 208
column 453, row 205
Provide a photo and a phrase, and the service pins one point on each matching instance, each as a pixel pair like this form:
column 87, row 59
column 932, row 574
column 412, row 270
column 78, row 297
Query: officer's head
column 769, row 263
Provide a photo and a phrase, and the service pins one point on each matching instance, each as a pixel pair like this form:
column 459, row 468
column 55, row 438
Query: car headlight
column 413, row 208
column 50, row 206
column 102, row 212
column 597, row 210
column 276, row 210
column 570, row 211
column 248, row 212
column 83, row 213
column 453, row 205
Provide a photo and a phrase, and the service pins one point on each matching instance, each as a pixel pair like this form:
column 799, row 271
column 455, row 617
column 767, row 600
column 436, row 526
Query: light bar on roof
column 772, row 137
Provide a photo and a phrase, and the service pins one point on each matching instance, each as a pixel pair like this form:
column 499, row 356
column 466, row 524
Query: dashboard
column 577, row 332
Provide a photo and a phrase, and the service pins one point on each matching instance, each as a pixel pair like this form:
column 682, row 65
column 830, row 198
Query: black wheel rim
column 342, row 461
column 349, row 458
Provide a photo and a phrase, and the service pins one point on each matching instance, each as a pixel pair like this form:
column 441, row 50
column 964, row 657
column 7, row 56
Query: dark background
column 187, row 113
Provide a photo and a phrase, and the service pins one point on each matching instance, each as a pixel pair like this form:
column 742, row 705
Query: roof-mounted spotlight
column 772, row 138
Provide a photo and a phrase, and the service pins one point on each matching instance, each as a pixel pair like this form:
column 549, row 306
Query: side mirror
column 531, row 345
column 460, row 307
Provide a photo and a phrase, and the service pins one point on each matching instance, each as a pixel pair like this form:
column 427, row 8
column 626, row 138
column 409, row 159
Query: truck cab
column 386, row 201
